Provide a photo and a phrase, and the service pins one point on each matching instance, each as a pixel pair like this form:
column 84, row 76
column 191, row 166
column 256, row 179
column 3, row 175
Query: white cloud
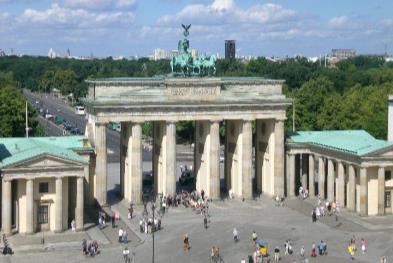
column 58, row 16
column 222, row 4
column 100, row 4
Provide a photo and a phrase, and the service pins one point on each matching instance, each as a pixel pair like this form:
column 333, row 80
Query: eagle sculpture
column 186, row 28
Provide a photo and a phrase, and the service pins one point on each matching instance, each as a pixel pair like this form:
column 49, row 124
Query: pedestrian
column 243, row 260
column 302, row 250
column 186, row 243
column 126, row 254
column 73, row 225
column 313, row 216
column 130, row 211
column 254, row 236
column 84, row 247
column 120, row 235
column 205, row 222
column 212, row 253
column 125, row 237
column 113, row 220
column 353, row 242
column 313, row 250
column 235, row 235
column 276, row 254
column 203, row 194
column 350, row 251
column 100, row 222
column 363, row 244
column 383, row 260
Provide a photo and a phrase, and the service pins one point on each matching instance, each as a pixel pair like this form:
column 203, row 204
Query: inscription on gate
column 194, row 91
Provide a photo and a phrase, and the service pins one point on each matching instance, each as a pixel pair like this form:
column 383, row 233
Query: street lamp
column 153, row 207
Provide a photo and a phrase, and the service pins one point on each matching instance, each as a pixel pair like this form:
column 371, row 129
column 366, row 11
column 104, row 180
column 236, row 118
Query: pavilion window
column 44, row 187
column 388, row 203
column 388, row 175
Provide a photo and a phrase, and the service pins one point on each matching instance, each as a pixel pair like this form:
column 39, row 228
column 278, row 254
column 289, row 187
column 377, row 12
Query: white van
column 80, row 110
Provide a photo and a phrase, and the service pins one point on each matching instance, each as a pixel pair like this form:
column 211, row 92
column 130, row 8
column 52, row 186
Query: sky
column 136, row 27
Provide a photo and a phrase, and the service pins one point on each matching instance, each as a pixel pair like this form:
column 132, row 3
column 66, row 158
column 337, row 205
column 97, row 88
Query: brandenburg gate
column 246, row 106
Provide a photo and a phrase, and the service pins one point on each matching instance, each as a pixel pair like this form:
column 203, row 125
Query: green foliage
column 351, row 95
column 12, row 109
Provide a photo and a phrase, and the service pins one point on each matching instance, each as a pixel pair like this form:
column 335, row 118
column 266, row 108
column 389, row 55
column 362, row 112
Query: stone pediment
column 45, row 161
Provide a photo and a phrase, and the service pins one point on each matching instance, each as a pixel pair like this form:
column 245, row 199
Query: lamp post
column 153, row 207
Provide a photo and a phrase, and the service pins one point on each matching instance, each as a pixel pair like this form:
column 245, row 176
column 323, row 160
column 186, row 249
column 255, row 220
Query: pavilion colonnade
column 351, row 184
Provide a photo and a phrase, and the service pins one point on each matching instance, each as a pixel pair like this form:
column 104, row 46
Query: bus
column 80, row 110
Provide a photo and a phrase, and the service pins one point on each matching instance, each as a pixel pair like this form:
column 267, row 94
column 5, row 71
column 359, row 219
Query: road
column 57, row 107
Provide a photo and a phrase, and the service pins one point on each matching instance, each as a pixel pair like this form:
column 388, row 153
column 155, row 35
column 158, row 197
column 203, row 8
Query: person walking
column 125, row 237
column 313, row 250
column 302, row 250
column 186, row 243
column 205, row 222
column 113, row 220
column 126, row 255
column 363, row 244
column 350, row 251
column 276, row 253
column 235, row 235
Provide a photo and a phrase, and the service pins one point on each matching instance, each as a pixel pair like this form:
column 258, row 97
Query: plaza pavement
column 275, row 224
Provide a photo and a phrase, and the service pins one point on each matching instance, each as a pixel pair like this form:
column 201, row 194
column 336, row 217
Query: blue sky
column 136, row 27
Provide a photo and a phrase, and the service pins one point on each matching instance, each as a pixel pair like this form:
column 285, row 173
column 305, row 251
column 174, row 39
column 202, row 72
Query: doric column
column 292, row 190
column 247, row 159
column 6, row 207
column 135, row 163
column 321, row 177
column 101, row 164
column 363, row 192
column 59, row 205
column 340, row 184
column 330, row 181
column 311, row 174
column 79, row 204
column 214, row 160
column 351, row 188
column 279, row 156
column 303, row 163
column 29, row 206
column 381, row 191
column 170, row 158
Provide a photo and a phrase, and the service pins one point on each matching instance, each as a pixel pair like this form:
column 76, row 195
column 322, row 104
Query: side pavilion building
column 349, row 167
column 44, row 183
column 236, row 103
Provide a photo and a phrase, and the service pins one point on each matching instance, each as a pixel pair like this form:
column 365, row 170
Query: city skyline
column 132, row 27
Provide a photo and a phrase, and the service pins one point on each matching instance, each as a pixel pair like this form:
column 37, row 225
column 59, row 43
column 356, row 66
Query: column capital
column 215, row 121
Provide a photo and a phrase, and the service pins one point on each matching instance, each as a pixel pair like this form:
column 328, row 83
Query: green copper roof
column 355, row 142
column 14, row 150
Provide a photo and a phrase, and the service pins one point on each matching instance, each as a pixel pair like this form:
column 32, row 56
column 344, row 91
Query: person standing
column 363, row 244
column 276, row 253
column 125, row 237
column 205, row 222
column 254, row 236
column 313, row 250
column 120, row 235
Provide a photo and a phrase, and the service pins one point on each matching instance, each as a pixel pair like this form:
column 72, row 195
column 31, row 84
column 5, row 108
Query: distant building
column 230, row 49
column 52, row 53
column 343, row 53
column 194, row 53
column 160, row 53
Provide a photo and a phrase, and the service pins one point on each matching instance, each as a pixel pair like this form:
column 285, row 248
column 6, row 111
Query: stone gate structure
column 236, row 103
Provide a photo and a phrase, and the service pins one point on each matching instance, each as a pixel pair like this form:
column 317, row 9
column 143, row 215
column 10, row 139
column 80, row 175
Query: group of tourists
column 352, row 247
column 323, row 209
column 90, row 249
column 123, row 236
column 147, row 225
column 303, row 192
